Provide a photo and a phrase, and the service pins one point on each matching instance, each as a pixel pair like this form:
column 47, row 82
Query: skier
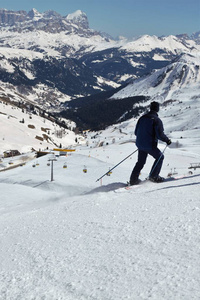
column 149, row 129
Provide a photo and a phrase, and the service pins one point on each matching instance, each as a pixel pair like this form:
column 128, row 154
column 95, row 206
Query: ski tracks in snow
column 138, row 244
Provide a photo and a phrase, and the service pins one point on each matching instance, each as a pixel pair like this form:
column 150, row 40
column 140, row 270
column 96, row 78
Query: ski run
column 75, row 239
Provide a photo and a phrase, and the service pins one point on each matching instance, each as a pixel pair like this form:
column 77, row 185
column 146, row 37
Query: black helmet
column 154, row 106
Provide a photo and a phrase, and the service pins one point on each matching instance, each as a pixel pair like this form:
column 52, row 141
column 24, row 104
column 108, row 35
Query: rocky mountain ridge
column 49, row 21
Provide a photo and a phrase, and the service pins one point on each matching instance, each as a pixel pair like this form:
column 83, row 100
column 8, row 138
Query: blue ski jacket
column 149, row 129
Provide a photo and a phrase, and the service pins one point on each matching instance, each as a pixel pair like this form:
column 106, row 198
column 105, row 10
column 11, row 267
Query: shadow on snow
column 107, row 188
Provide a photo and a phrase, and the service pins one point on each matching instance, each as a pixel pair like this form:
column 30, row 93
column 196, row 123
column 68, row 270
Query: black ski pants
column 142, row 157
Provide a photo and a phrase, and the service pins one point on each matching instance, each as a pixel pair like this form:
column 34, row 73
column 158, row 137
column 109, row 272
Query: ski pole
column 117, row 165
column 157, row 162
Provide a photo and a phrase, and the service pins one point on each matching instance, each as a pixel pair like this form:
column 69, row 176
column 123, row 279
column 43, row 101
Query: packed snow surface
column 78, row 238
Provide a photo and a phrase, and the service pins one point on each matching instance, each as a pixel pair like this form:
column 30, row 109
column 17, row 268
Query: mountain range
column 55, row 62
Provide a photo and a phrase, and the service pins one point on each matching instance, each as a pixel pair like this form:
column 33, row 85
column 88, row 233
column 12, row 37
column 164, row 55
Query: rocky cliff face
column 8, row 17
column 48, row 21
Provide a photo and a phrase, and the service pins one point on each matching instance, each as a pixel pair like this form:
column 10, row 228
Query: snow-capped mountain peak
column 78, row 17
column 34, row 14
column 78, row 14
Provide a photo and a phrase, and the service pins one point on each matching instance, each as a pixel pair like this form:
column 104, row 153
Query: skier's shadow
column 182, row 185
column 107, row 188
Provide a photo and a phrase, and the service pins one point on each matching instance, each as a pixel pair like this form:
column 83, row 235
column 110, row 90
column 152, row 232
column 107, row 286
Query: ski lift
column 51, row 159
column 85, row 169
column 194, row 166
column 65, row 166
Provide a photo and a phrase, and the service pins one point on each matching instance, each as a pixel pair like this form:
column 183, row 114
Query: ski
column 130, row 187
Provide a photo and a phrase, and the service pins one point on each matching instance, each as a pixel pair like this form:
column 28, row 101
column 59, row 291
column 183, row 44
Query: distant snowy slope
column 56, row 44
column 178, row 80
column 170, row 43
column 10, row 53
column 24, row 131
column 177, row 88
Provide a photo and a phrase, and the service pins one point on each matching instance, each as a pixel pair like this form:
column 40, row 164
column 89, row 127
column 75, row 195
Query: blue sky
column 124, row 17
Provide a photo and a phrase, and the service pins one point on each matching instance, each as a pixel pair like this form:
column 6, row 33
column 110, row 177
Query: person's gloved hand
column 169, row 142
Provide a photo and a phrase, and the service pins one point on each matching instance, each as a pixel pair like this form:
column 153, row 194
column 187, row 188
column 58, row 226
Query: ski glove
column 169, row 142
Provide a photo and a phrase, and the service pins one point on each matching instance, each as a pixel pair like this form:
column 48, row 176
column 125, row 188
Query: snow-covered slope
column 73, row 238
column 177, row 81
column 24, row 131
